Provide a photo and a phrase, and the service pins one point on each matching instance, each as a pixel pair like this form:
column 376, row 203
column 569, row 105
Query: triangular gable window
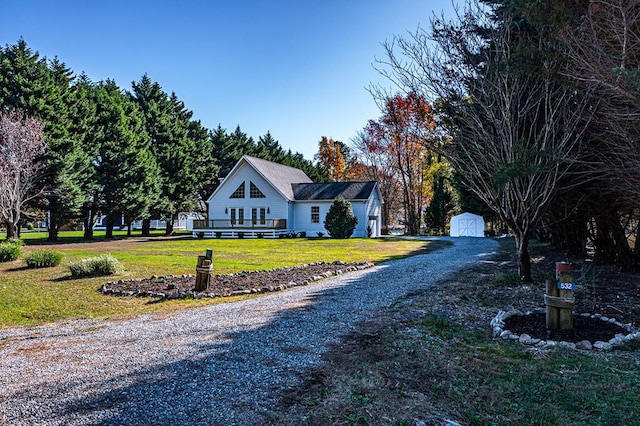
column 254, row 192
column 238, row 193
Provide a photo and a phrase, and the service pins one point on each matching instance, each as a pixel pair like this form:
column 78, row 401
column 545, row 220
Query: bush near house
column 340, row 221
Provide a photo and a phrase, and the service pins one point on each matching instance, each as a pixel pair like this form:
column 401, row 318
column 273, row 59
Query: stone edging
column 497, row 325
column 105, row 289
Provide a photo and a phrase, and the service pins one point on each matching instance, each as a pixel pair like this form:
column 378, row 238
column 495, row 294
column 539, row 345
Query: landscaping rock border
column 498, row 327
column 109, row 288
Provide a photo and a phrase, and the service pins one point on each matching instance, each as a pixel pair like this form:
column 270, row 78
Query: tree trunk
column 524, row 260
column 13, row 230
column 52, row 226
column 146, row 227
column 88, row 225
column 169, row 228
column 109, row 226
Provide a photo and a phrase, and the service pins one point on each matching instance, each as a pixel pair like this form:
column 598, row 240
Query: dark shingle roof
column 329, row 191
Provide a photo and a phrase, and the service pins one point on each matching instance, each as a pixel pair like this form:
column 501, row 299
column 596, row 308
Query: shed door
column 467, row 227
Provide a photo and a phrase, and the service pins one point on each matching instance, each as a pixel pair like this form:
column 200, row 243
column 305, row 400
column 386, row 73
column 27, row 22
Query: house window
column 315, row 214
column 254, row 192
column 240, row 216
column 238, row 193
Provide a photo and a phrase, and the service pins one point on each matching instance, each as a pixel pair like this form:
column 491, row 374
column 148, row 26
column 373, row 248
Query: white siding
column 221, row 200
column 302, row 217
column 361, row 209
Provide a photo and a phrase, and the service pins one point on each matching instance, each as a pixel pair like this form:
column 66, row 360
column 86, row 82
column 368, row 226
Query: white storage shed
column 467, row 225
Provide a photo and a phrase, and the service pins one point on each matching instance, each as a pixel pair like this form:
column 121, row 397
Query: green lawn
column 35, row 296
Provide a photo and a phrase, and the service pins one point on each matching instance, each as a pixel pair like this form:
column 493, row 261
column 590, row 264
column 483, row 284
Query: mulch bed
column 224, row 285
column 602, row 289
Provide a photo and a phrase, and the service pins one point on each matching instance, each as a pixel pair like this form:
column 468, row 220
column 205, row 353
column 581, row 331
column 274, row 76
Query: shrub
column 44, row 258
column 30, row 226
column 340, row 221
column 101, row 265
column 303, row 234
column 10, row 249
column 320, row 234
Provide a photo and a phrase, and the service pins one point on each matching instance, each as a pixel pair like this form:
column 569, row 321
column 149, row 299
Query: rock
column 569, row 345
column 615, row 341
column 602, row 345
column 584, row 345
column 525, row 339
column 496, row 331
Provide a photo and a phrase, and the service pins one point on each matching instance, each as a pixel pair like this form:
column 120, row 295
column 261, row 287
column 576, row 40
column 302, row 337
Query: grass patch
column 35, row 296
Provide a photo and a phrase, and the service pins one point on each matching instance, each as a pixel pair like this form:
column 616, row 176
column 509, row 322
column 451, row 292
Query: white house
column 260, row 198
column 467, row 225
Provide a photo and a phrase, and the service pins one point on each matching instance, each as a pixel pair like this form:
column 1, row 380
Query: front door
column 239, row 219
column 258, row 216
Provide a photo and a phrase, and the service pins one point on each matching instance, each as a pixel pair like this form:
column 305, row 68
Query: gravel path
column 222, row 364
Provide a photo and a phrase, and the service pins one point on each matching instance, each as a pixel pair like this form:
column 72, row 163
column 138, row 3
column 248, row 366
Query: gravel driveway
column 224, row 364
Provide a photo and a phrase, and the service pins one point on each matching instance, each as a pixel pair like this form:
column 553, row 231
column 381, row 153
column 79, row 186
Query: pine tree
column 340, row 221
column 127, row 174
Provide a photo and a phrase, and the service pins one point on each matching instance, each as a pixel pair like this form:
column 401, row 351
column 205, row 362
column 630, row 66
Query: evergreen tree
column 42, row 90
column 127, row 174
column 340, row 221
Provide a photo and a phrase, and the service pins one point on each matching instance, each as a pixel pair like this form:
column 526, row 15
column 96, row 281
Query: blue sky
column 296, row 68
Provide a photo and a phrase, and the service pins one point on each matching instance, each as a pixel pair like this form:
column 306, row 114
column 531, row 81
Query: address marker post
column 559, row 298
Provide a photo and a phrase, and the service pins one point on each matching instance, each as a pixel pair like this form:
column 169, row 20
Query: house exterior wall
column 221, row 198
column 302, row 217
column 361, row 209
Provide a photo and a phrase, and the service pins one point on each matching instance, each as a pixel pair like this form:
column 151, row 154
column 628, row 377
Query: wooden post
column 552, row 311
column 203, row 271
column 559, row 299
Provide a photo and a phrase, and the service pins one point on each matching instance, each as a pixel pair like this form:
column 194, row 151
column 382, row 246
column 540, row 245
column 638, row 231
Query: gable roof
column 280, row 176
column 331, row 190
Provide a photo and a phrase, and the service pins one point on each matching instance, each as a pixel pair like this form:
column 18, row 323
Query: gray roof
column 281, row 177
column 329, row 191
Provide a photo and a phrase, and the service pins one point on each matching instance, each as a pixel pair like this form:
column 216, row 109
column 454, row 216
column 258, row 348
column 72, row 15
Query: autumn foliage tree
column 331, row 156
column 399, row 134
column 22, row 146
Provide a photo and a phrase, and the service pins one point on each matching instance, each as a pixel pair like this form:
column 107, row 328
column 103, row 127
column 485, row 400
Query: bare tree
column 21, row 148
column 515, row 131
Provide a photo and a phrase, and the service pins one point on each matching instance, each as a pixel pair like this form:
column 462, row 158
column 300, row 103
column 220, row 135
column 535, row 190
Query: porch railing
column 247, row 224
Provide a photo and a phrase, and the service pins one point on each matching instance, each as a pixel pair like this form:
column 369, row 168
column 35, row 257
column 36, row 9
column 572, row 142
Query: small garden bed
column 225, row 285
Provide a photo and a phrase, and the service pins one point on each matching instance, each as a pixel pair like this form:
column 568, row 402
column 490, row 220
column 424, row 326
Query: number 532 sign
column 566, row 286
